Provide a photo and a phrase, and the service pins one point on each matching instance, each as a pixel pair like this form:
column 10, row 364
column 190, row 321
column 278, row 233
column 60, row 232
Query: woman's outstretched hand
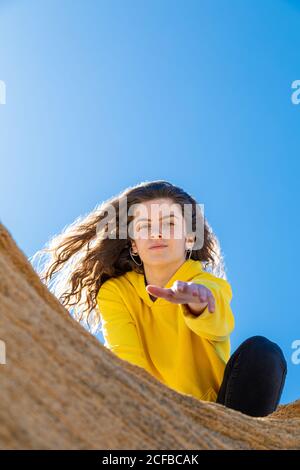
column 196, row 296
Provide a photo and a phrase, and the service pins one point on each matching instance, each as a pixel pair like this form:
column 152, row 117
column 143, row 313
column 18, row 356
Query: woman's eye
column 145, row 226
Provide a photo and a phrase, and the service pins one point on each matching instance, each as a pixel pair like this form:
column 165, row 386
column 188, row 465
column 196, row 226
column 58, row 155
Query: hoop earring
column 132, row 255
column 190, row 253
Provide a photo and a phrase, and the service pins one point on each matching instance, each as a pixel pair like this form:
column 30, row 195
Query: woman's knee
column 262, row 349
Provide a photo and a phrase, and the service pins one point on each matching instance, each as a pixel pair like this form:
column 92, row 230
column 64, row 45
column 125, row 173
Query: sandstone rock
column 62, row 389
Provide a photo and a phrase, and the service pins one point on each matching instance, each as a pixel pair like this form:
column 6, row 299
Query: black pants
column 254, row 377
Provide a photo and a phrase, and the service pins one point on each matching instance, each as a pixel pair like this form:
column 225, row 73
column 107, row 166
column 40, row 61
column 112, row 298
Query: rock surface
column 62, row 389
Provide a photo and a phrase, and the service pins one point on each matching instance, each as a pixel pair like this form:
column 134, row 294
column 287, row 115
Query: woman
column 163, row 300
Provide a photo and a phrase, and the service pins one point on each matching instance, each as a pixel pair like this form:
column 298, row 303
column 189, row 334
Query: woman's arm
column 216, row 326
column 211, row 318
column 118, row 327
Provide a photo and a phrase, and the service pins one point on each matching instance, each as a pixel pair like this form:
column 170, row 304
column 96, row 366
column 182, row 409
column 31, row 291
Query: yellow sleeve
column 118, row 327
column 218, row 325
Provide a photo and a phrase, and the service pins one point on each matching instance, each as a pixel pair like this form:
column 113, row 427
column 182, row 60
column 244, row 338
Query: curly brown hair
column 79, row 261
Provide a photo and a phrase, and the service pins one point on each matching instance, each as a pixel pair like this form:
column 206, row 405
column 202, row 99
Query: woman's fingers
column 159, row 291
column 206, row 296
column 211, row 303
column 180, row 286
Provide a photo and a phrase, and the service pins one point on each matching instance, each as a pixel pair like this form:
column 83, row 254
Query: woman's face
column 159, row 221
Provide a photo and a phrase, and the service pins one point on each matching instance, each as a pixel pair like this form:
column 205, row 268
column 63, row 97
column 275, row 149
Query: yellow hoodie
column 185, row 352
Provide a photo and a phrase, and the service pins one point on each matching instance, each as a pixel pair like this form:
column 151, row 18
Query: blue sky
column 101, row 95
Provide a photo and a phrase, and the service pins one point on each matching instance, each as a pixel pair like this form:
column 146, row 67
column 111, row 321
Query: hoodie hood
column 186, row 272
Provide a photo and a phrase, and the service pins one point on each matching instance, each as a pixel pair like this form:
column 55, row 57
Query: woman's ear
column 133, row 245
column 190, row 240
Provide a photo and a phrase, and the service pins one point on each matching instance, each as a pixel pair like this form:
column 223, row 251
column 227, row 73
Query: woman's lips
column 158, row 247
